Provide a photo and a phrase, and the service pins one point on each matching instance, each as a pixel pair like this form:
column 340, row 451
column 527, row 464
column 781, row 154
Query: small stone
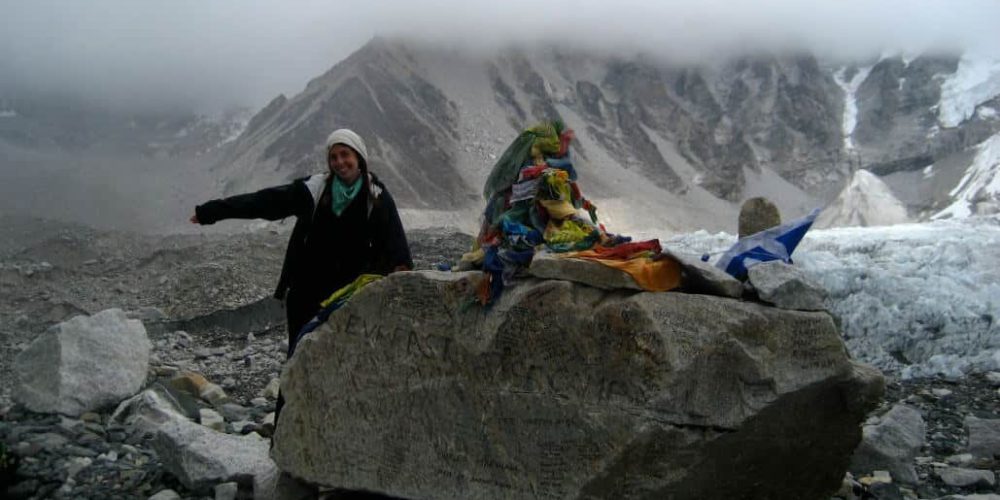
column 202, row 353
column 79, row 451
column 848, row 488
column 272, row 388
column 70, row 425
column 251, row 338
column 214, row 394
column 211, row 419
column 993, row 378
column 941, row 392
column 234, row 412
column 786, row 286
column 885, row 491
column 77, row 464
column 50, row 441
column 26, row 449
column 229, row 383
column 961, row 478
column 24, row 489
column 226, row 491
column 91, row 417
column 166, row 495
column 111, row 456
column 882, row 476
column 984, row 436
column 960, row 459
column 756, row 215
column 259, row 402
column 268, row 419
column 165, row 370
column 879, row 476
column 241, row 426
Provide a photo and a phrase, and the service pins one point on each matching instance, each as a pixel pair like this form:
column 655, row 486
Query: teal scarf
column 343, row 194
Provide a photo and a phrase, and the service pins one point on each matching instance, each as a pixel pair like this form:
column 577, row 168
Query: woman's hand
column 194, row 218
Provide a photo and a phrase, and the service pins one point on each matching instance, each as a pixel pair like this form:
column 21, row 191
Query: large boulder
column 567, row 391
column 83, row 364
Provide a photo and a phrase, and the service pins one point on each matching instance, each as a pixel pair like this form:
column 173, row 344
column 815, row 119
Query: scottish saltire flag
column 770, row 244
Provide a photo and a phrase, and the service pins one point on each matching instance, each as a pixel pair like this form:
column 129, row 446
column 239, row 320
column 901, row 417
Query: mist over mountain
column 680, row 109
column 662, row 145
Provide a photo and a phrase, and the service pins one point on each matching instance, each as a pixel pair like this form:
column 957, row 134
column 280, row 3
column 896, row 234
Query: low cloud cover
column 209, row 55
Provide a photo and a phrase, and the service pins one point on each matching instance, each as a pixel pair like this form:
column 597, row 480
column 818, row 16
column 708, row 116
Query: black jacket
column 384, row 232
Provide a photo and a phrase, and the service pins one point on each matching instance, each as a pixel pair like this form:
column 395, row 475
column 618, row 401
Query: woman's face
column 343, row 161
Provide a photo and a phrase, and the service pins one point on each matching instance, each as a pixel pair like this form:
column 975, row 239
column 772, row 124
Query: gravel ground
column 206, row 303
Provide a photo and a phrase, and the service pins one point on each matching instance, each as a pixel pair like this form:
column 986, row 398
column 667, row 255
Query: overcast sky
column 212, row 54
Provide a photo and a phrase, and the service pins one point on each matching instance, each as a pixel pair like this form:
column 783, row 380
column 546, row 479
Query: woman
column 347, row 225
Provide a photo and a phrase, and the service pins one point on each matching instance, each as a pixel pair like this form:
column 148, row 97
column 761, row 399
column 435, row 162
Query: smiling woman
column 347, row 225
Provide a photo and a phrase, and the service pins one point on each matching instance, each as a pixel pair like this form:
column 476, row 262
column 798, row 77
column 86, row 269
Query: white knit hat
column 348, row 137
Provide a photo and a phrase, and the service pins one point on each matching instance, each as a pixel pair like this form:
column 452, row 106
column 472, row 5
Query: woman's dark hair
column 365, row 179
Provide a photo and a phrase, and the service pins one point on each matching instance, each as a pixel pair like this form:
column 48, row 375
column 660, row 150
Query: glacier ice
column 914, row 300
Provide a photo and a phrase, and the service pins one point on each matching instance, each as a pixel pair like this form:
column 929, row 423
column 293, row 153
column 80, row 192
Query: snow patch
column 976, row 81
column 928, row 171
column 985, row 112
column 850, row 117
column 979, row 186
column 7, row 113
column 914, row 300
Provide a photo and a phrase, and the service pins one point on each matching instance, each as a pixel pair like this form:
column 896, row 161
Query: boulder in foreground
column 566, row 391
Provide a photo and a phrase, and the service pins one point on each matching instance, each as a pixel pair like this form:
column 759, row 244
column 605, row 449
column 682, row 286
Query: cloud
column 213, row 54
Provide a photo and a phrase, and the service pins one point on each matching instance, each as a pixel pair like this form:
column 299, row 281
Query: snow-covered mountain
column 659, row 145
column 978, row 192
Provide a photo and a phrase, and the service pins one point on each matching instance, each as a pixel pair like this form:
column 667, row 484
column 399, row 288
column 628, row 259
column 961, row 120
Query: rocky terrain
column 204, row 301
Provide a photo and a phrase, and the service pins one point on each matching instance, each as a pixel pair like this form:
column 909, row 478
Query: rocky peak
column 702, row 137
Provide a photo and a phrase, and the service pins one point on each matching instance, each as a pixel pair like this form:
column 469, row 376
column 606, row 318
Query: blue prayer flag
column 776, row 243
